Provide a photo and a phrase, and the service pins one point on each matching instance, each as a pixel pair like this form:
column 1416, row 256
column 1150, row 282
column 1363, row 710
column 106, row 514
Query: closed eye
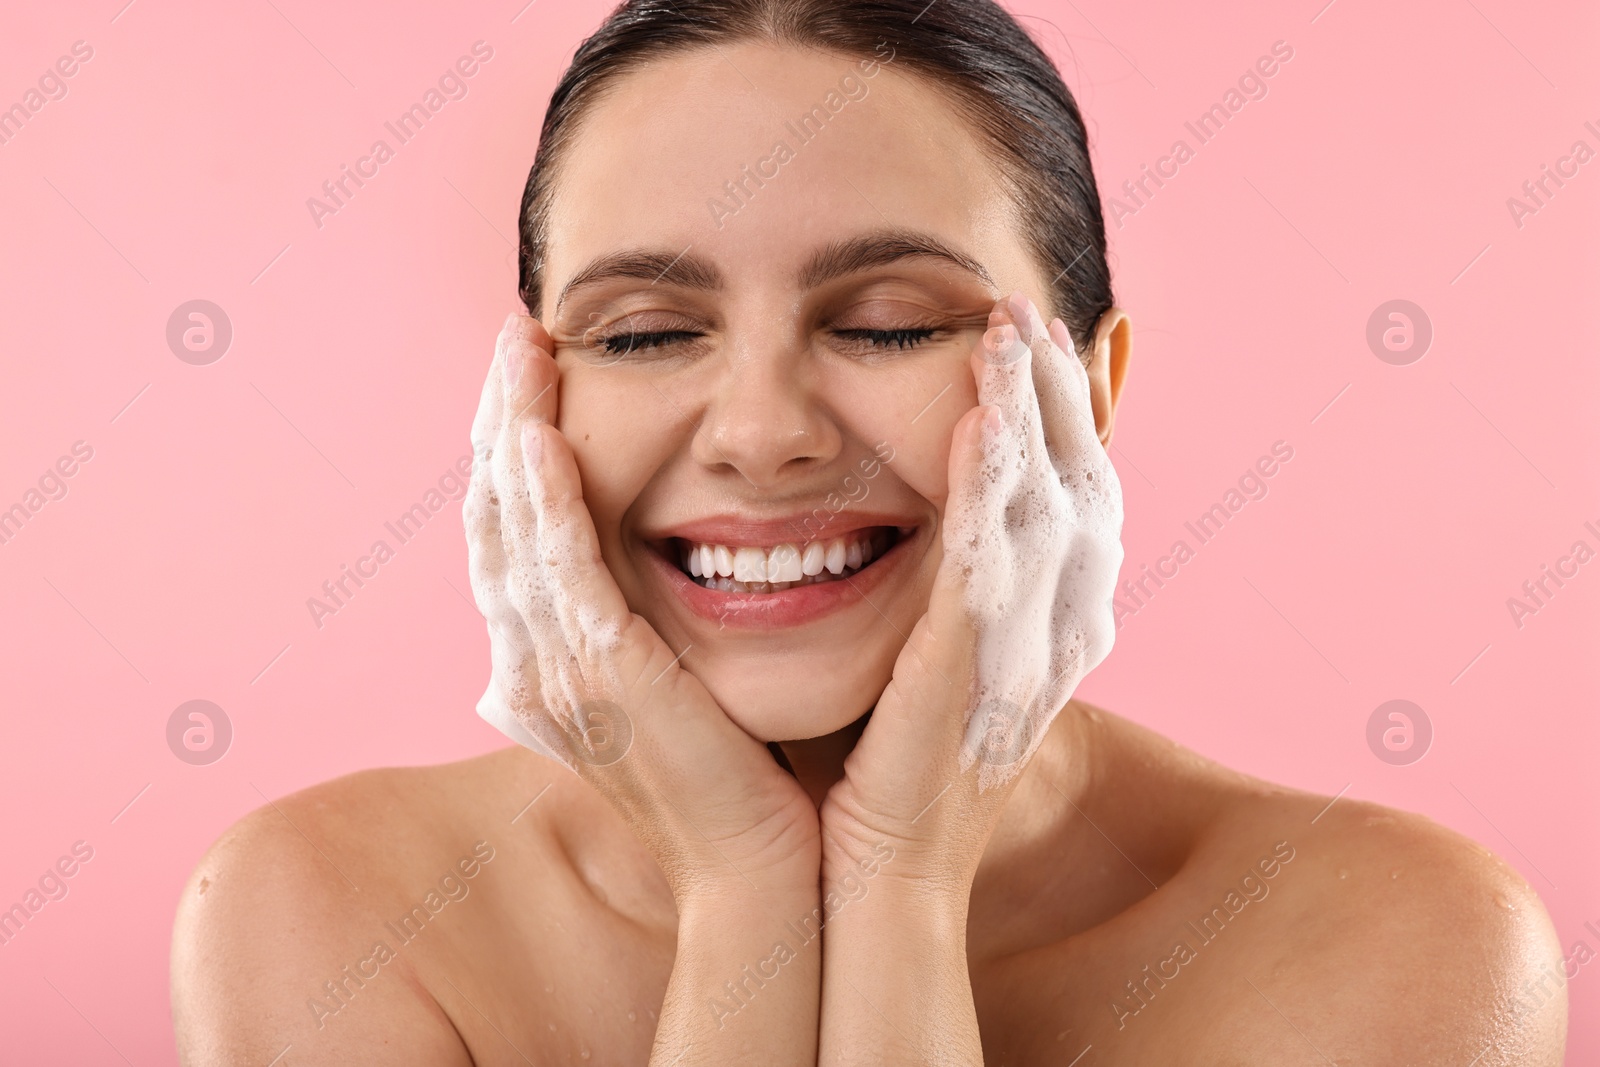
column 623, row 343
column 909, row 337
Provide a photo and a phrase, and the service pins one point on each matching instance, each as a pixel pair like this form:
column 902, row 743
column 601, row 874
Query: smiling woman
column 795, row 536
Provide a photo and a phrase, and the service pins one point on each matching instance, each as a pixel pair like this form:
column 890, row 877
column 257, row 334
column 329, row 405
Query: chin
column 793, row 703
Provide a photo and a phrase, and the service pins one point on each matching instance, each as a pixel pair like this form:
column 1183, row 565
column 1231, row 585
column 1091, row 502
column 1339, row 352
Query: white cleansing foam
column 1041, row 536
column 532, row 577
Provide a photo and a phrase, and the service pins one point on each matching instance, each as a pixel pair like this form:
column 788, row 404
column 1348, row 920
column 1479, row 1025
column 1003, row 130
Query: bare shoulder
column 1391, row 938
column 1329, row 929
column 293, row 928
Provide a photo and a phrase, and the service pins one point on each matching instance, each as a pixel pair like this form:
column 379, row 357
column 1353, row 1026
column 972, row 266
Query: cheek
column 912, row 410
column 922, row 452
column 620, row 438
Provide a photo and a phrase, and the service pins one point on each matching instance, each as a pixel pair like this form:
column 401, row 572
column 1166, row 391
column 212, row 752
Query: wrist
column 717, row 897
column 935, row 906
column 712, row 877
column 915, row 875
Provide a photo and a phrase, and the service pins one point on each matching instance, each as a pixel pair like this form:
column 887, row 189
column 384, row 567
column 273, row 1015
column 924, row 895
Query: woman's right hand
column 592, row 682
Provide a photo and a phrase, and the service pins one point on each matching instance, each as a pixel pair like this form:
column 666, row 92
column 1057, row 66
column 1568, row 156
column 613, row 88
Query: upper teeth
column 781, row 563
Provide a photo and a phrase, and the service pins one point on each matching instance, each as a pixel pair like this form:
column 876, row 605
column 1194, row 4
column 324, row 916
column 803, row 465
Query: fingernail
column 1019, row 305
column 532, row 445
column 1062, row 337
column 511, row 367
column 511, row 320
column 992, row 420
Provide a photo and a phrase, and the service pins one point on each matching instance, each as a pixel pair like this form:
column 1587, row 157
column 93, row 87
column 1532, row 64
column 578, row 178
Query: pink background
column 179, row 563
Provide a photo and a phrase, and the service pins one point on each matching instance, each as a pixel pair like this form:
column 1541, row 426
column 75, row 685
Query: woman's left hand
column 1021, row 610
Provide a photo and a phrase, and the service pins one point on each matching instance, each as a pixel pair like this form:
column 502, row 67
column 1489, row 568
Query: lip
column 791, row 607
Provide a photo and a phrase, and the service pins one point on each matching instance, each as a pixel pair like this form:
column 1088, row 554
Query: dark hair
column 997, row 76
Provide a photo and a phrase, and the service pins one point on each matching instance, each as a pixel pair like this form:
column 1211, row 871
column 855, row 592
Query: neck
column 1045, row 811
column 818, row 762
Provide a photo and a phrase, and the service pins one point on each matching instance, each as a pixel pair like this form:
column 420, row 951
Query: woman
column 795, row 531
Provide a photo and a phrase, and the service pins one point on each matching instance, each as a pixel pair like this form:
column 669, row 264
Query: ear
column 1108, row 369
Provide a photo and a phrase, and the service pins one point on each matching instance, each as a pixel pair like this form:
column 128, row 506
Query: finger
column 969, row 511
column 528, row 377
column 1060, row 384
column 1072, row 429
column 569, row 587
column 529, row 369
column 1071, row 403
column 513, row 686
column 488, row 563
column 1003, row 365
column 481, row 510
column 1013, row 455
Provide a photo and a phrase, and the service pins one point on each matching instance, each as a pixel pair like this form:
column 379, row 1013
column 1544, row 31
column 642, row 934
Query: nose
column 765, row 418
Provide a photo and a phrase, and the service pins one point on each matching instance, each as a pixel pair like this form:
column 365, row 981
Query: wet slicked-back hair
column 1002, row 83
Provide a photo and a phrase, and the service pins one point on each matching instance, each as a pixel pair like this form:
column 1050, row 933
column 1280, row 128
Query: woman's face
column 792, row 376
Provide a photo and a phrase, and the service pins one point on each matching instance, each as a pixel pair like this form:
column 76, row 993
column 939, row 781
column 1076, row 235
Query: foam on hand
column 527, row 560
column 1038, row 534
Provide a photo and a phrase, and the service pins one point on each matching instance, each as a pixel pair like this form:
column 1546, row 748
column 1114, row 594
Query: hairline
column 1011, row 175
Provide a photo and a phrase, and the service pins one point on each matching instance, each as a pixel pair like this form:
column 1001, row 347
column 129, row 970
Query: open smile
column 722, row 577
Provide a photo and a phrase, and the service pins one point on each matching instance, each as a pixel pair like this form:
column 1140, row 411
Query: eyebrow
column 879, row 248
column 836, row 259
column 681, row 269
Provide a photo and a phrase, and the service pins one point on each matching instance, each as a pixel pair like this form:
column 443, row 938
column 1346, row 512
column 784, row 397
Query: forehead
column 755, row 155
